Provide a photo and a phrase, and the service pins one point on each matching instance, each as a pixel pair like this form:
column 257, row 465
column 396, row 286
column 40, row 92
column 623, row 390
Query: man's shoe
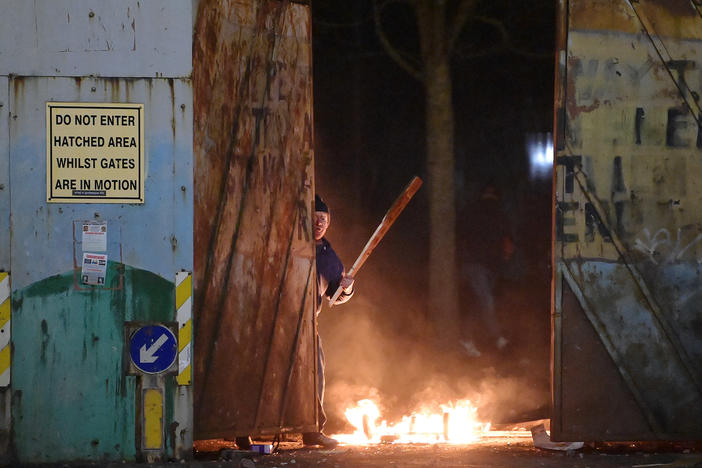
column 317, row 438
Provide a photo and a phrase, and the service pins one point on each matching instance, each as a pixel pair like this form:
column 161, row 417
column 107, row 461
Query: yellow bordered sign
column 94, row 152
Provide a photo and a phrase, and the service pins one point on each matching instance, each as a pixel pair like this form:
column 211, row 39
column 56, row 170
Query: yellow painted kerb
column 153, row 419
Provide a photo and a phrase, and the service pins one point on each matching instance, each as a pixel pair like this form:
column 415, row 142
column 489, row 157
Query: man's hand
column 346, row 283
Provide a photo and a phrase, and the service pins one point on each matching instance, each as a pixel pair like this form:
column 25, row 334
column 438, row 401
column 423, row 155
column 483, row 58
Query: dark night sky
column 369, row 142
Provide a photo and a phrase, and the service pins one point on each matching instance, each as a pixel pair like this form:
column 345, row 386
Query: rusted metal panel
column 254, row 257
column 627, row 230
column 131, row 38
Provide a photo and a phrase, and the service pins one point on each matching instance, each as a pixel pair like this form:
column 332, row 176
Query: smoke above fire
column 382, row 344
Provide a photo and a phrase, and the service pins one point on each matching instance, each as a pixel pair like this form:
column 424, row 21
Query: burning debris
column 455, row 423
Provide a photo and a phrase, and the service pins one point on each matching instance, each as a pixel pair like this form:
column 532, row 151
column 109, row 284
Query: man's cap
column 319, row 204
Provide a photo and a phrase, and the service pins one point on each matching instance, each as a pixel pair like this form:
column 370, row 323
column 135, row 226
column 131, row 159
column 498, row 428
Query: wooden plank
column 390, row 216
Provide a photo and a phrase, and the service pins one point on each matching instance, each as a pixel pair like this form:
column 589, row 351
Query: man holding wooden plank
column 330, row 278
column 334, row 283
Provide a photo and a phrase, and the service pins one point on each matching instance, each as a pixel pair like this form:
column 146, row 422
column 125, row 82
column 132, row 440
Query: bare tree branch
column 505, row 45
column 399, row 58
column 495, row 48
column 423, row 15
column 464, row 11
column 497, row 24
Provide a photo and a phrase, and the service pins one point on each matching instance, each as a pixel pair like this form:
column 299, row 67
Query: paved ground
column 517, row 452
column 506, row 452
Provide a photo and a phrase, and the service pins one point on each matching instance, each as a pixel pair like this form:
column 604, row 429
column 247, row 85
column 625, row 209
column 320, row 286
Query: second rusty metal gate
column 627, row 326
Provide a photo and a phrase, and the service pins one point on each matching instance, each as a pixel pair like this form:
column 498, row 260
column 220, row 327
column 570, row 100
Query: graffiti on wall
column 661, row 247
column 632, row 144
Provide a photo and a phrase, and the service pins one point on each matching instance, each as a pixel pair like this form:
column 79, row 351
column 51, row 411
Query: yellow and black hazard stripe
column 184, row 292
column 5, row 329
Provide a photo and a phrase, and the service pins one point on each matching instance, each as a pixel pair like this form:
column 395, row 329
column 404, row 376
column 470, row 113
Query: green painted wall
column 71, row 399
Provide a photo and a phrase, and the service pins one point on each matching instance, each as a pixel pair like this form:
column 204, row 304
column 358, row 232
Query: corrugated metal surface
column 627, row 340
column 70, row 397
column 254, row 257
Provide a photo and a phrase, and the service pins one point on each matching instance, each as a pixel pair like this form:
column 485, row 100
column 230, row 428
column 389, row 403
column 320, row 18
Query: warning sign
column 94, row 152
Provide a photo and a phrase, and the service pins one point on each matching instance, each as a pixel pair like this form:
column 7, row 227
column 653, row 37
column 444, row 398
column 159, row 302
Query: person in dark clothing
column 330, row 276
column 487, row 248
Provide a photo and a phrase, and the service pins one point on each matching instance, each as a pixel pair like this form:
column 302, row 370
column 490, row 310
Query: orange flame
column 457, row 423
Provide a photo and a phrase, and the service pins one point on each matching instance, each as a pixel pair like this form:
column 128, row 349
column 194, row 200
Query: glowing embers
column 455, row 423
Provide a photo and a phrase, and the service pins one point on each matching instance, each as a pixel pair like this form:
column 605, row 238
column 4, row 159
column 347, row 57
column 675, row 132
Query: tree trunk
column 436, row 31
column 443, row 290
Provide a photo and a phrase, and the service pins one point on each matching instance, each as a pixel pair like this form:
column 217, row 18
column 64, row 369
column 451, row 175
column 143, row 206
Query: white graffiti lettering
column 661, row 248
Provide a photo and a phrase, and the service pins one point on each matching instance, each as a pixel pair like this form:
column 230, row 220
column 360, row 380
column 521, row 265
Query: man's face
column 321, row 223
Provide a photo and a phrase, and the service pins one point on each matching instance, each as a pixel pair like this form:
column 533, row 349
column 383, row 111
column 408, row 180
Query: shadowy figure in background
column 486, row 249
column 330, row 276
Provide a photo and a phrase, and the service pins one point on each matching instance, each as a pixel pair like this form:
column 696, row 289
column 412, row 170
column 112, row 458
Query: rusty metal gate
column 254, row 257
column 627, row 326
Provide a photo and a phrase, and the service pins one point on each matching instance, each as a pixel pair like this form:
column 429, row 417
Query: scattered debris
column 262, row 448
column 242, row 456
column 542, row 440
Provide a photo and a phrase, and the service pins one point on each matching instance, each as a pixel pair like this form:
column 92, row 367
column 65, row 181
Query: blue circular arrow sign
column 153, row 348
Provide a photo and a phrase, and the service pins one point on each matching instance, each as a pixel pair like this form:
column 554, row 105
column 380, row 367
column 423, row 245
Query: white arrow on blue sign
column 153, row 348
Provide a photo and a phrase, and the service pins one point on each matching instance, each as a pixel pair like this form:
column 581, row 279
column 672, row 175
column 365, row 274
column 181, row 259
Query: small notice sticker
column 94, row 268
column 94, row 237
